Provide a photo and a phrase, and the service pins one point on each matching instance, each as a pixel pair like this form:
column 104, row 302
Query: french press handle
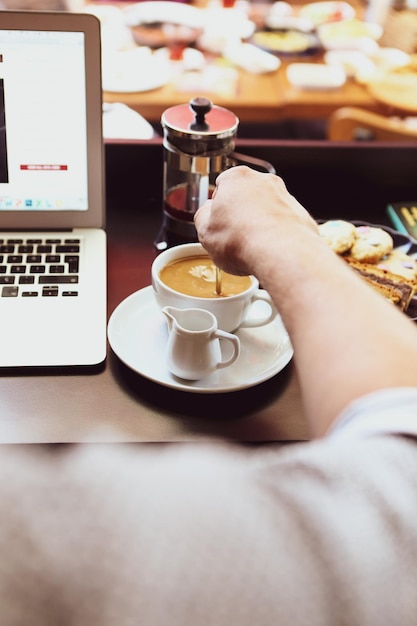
column 256, row 164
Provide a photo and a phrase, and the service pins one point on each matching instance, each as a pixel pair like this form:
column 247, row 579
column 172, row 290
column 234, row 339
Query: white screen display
column 43, row 141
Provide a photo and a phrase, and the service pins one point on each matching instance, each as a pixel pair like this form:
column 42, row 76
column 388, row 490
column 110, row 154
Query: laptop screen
column 46, row 139
column 43, row 154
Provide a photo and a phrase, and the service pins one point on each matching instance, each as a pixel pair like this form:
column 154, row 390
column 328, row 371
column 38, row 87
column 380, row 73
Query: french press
column 199, row 141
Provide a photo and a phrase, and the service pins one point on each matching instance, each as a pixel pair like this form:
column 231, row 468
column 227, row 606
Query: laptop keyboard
column 39, row 267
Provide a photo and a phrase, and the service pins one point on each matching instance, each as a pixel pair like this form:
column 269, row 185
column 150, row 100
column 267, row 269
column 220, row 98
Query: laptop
column 52, row 237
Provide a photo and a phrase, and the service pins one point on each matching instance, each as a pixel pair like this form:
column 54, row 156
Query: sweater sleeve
column 321, row 533
column 389, row 411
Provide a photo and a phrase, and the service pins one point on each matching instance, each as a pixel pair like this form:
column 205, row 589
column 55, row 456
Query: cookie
column 339, row 234
column 399, row 263
column 371, row 244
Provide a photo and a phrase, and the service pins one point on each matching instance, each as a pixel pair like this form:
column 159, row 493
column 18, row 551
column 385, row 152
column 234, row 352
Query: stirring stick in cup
column 218, row 280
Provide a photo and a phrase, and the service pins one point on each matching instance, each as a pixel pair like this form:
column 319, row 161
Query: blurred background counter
column 282, row 68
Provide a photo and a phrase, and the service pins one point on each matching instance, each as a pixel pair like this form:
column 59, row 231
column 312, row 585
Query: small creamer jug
column 193, row 350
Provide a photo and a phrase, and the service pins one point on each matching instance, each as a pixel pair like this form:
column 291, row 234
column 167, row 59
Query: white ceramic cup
column 232, row 312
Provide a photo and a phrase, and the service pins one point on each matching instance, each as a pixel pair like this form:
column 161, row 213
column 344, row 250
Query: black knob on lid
column 200, row 106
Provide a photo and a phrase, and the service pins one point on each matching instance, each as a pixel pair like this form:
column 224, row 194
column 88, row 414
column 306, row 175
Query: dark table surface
column 115, row 404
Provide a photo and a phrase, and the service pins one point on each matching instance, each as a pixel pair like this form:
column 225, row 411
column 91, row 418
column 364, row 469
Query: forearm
column 348, row 340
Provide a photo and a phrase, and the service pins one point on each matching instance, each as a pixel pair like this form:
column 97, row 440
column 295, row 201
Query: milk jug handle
column 234, row 340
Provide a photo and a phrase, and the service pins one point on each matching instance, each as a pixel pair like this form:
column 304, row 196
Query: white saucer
column 135, row 70
column 138, row 334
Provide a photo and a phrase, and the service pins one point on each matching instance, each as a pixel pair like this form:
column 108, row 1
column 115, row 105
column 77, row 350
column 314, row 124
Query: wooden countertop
column 115, row 404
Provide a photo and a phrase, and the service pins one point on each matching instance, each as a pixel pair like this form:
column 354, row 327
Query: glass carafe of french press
column 198, row 141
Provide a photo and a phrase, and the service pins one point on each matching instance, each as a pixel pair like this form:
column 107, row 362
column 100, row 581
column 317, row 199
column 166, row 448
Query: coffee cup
column 184, row 277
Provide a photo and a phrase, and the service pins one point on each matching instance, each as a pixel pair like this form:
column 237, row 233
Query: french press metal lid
column 198, row 139
column 200, row 127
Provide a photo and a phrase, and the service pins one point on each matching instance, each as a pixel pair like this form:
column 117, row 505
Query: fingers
column 202, row 214
column 236, row 192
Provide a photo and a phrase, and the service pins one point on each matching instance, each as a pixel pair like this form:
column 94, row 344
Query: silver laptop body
column 52, row 238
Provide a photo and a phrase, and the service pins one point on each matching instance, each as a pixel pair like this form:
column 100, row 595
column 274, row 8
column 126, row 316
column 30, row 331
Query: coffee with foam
column 196, row 276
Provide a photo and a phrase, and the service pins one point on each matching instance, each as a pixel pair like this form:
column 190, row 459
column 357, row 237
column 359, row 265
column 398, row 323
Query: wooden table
column 259, row 98
column 114, row 404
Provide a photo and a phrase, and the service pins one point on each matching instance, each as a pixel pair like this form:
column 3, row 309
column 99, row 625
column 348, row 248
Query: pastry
column 369, row 251
column 339, row 234
column 371, row 244
column 389, row 292
column 396, row 288
column 399, row 263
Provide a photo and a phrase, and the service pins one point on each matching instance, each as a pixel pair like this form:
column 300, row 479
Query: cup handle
column 234, row 340
column 263, row 295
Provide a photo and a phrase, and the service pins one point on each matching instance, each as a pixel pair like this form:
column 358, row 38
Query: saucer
column 138, row 335
column 135, row 70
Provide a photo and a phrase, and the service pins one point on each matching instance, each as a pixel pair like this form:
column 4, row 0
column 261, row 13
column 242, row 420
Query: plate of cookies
column 385, row 258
